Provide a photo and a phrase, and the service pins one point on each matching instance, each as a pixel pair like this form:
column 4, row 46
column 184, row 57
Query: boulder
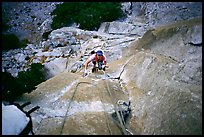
column 55, row 66
column 121, row 28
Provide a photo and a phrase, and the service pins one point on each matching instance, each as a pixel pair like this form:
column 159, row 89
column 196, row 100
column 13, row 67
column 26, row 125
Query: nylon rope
column 116, row 109
column 70, row 105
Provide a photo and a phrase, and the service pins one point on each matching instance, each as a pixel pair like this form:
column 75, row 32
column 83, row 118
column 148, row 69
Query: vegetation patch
column 5, row 20
column 11, row 41
column 46, row 35
column 13, row 87
column 89, row 15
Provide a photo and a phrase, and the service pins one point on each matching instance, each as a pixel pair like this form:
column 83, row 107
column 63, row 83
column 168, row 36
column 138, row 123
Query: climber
column 96, row 57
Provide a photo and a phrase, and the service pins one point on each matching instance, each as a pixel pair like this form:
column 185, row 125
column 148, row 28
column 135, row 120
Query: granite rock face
column 158, row 70
column 163, row 86
column 164, row 78
column 29, row 20
column 160, row 13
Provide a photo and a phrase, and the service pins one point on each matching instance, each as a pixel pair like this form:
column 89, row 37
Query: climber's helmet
column 99, row 53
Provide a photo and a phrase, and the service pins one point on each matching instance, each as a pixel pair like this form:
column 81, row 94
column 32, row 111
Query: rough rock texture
column 29, row 20
column 161, row 13
column 123, row 28
column 159, row 72
column 66, row 49
column 164, row 80
column 74, row 105
column 141, row 16
column 164, row 87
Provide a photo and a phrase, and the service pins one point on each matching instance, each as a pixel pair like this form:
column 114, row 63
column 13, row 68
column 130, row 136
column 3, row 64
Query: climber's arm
column 86, row 64
column 105, row 62
column 88, row 61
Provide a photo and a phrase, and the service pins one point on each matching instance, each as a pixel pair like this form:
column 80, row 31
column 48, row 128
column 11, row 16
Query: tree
column 88, row 14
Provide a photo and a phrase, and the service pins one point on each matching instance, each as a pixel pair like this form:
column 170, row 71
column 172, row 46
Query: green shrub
column 88, row 14
column 8, row 86
column 46, row 35
column 5, row 27
column 13, row 87
column 24, row 42
column 11, row 41
column 5, row 20
column 32, row 77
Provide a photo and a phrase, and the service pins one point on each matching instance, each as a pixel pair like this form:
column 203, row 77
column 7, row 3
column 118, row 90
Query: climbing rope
column 110, row 131
column 116, row 108
column 69, row 106
column 120, row 116
column 106, row 117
